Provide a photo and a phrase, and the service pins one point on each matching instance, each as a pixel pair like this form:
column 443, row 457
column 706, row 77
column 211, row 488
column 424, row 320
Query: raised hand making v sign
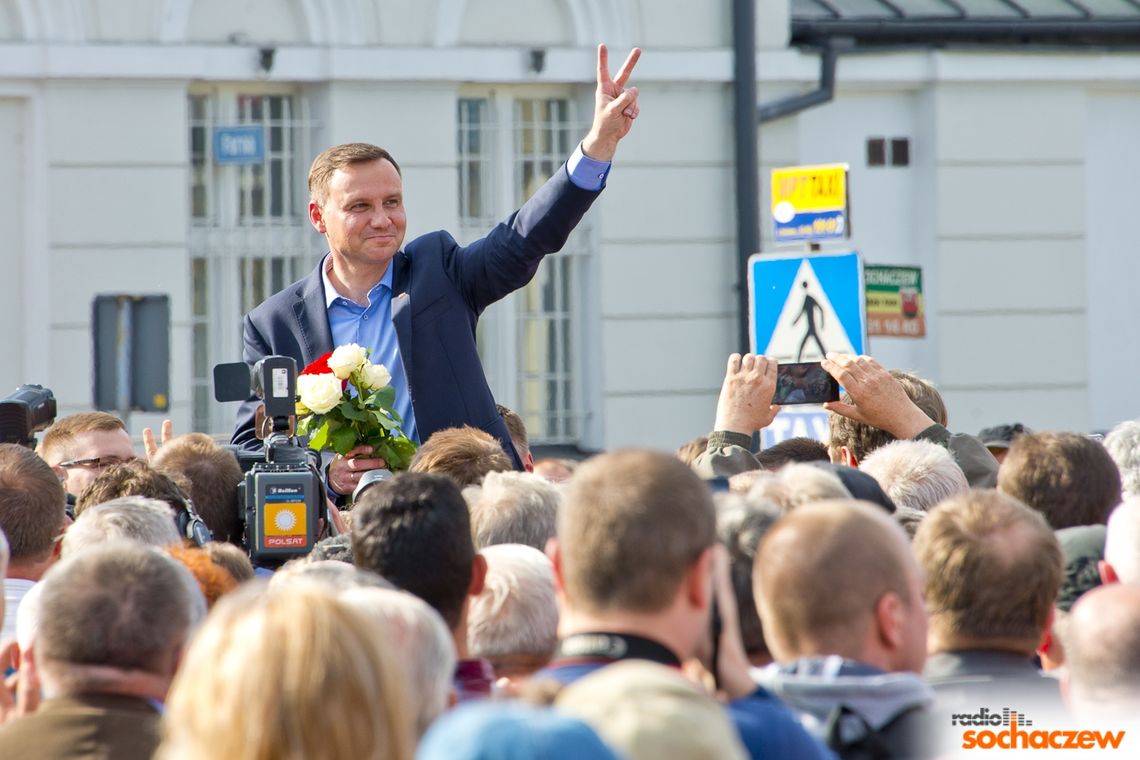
column 615, row 107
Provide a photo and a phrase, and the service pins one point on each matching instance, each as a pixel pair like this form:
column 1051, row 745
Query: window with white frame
column 249, row 235
column 509, row 144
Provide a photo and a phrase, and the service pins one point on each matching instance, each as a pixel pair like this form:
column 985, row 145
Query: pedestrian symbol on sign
column 810, row 307
column 805, row 306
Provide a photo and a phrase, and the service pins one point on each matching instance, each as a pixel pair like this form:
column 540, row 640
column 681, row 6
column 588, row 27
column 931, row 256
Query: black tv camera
column 283, row 494
column 25, row 412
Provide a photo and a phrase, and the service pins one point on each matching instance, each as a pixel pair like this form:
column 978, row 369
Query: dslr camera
column 25, row 412
column 283, row 494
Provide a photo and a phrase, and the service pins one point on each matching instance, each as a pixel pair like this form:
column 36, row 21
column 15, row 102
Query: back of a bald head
column 821, row 570
column 632, row 524
column 1102, row 648
column 1122, row 541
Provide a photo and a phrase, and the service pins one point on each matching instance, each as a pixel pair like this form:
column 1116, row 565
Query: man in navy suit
column 415, row 307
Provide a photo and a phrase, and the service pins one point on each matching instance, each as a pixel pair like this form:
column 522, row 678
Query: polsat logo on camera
column 1011, row 729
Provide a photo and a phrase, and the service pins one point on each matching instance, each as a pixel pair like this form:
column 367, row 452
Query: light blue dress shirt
column 371, row 326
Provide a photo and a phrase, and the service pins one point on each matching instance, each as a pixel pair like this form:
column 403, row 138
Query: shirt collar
column 331, row 293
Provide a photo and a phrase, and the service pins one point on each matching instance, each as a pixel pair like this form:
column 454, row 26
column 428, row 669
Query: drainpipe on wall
column 817, row 97
column 746, row 131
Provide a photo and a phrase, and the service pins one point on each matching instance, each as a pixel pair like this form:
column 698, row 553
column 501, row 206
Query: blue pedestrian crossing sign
column 806, row 306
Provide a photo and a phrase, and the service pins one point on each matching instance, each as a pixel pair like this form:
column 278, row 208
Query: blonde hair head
column 267, row 666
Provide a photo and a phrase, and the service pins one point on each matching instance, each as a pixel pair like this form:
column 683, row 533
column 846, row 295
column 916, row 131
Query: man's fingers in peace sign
column 623, row 74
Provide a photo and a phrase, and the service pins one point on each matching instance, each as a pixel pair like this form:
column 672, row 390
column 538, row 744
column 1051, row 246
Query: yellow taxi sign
column 809, row 203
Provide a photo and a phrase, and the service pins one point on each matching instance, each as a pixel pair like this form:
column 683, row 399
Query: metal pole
column 747, row 154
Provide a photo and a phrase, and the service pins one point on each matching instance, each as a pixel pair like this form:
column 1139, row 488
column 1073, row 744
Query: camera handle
column 264, row 427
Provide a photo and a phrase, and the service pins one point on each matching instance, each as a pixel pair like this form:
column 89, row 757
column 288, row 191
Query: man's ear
column 847, row 457
column 554, row 553
column 528, row 462
column 1045, row 649
column 1107, row 573
column 316, row 217
column 478, row 575
column 57, row 545
column 698, row 586
column 1048, row 639
column 890, row 617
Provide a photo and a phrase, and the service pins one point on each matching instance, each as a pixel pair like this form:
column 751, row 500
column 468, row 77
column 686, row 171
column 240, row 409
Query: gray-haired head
column 1123, row 444
column 513, row 508
column 796, row 484
column 130, row 518
column 330, row 573
column 422, row 641
column 514, row 621
column 915, row 474
column 337, row 548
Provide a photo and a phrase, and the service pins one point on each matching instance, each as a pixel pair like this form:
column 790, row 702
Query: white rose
column 375, row 375
column 321, row 393
column 347, row 359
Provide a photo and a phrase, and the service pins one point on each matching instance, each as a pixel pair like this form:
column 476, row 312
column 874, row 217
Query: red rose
column 320, row 366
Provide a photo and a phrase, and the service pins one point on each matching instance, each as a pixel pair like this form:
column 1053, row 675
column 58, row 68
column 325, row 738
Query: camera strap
column 603, row 647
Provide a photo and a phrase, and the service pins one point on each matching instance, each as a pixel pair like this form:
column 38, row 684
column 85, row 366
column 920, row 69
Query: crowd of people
column 870, row 597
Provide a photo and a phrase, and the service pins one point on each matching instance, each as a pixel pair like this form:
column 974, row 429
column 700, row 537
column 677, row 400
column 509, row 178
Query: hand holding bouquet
column 346, row 401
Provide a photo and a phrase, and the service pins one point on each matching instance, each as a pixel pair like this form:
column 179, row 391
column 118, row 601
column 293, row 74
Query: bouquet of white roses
column 346, row 401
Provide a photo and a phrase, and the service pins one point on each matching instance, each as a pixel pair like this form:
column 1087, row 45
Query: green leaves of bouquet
column 346, row 401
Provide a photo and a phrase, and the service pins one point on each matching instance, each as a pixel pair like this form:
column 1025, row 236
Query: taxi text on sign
column 810, row 203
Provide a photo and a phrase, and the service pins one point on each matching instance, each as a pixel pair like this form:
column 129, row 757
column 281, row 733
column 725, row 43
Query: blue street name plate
column 239, row 145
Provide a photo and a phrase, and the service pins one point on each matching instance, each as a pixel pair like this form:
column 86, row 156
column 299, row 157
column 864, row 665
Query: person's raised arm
column 615, row 107
column 880, row 400
column 744, row 406
column 745, row 403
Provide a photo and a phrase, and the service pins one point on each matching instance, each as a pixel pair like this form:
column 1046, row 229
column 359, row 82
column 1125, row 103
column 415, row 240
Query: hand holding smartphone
column 804, row 383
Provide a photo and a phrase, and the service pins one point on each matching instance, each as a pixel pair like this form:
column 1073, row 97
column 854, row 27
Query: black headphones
column 189, row 522
column 193, row 527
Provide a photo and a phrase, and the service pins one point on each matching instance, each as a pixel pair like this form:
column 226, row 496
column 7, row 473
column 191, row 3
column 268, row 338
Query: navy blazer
column 439, row 289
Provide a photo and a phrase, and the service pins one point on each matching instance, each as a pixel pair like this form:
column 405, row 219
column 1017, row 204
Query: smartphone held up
column 804, row 383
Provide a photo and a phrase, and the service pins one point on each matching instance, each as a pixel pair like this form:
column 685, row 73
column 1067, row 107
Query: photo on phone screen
column 804, row 383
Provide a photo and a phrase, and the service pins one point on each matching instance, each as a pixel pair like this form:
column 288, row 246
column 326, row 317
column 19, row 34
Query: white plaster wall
column 1011, row 244
column 773, row 23
column 1019, row 180
column 517, row 22
column 400, row 23
column 1113, row 312
column 117, row 170
column 122, row 20
column 11, row 27
column 884, row 199
column 417, row 124
column 666, row 273
column 685, row 24
column 281, row 21
column 14, row 307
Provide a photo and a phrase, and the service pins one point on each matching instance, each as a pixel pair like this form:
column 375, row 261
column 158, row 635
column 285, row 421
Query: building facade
column 1014, row 198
